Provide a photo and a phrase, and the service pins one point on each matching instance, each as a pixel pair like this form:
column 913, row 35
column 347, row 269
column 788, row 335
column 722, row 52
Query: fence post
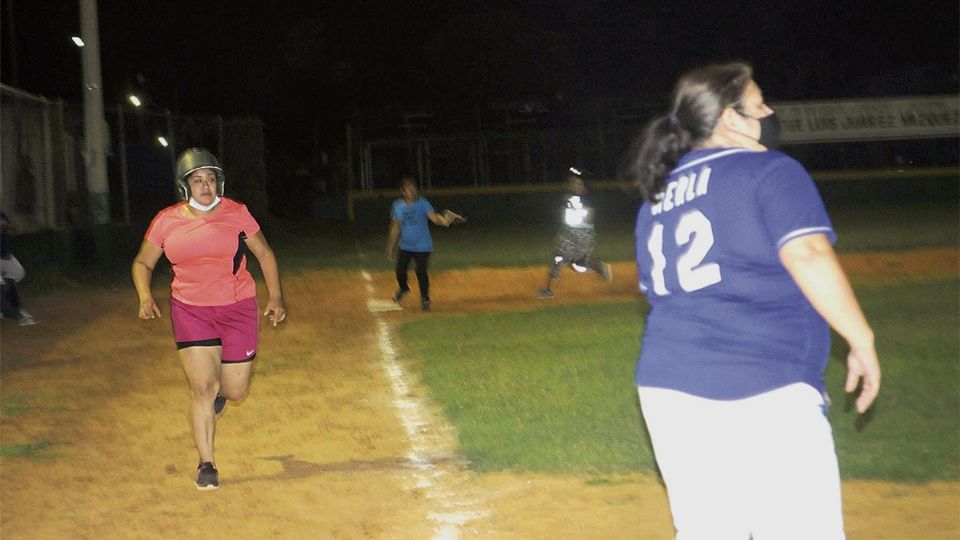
column 350, row 183
column 94, row 125
column 122, row 149
column 49, row 198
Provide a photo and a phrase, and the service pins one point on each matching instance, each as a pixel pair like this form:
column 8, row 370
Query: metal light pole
column 94, row 124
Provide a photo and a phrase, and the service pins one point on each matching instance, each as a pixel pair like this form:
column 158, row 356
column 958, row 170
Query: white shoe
column 26, row 319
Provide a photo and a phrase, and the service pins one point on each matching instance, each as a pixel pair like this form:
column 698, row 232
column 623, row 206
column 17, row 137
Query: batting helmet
column 197, row 158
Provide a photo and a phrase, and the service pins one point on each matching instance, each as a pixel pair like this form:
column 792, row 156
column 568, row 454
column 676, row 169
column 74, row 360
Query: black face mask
column 769, row 130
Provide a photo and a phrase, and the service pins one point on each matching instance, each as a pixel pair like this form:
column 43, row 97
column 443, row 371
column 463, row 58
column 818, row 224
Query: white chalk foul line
column 422, row 430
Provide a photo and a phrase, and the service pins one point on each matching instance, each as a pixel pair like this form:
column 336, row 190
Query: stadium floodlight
column 134, row 100
column 163, row 141
column 77, row 40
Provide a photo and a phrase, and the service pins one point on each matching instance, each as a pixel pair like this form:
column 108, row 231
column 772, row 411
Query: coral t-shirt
column 207, row 254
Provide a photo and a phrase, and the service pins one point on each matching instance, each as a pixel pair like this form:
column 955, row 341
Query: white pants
column 762, row 467
column 10, row 268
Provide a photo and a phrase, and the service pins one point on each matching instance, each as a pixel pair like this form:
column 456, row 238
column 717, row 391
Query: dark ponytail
column 699, row 99
column 655, row 153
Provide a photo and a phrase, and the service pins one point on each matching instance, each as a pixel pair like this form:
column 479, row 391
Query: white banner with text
column 917, row 117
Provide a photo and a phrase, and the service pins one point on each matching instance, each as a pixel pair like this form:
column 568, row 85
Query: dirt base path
column 336, row 439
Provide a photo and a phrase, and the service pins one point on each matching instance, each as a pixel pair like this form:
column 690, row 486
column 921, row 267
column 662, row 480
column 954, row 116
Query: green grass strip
column 549, row 390
column 864, row 227
column 36, row 450
column 552, row 390
column 913, row 431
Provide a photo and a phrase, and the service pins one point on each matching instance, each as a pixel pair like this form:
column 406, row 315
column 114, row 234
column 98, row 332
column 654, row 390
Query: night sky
column 297, row 64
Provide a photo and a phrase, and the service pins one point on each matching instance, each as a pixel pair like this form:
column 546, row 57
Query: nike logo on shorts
column 250, row 352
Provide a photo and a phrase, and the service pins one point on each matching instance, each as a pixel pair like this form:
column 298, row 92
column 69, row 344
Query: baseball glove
column 453, row 217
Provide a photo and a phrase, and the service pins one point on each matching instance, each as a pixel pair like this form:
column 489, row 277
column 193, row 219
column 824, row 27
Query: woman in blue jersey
column 734, row 253
column 410, row 231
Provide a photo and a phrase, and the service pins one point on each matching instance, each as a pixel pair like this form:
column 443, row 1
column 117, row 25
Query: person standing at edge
column 11, row 273
column 734, row 253
column 213, row 306
column 576, row 237
column 410, row 232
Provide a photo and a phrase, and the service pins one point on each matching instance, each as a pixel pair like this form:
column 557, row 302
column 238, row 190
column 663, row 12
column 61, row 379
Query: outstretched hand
column 453, row 217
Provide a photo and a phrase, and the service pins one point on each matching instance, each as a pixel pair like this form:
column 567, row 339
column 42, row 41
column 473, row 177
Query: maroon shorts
column 234, row 327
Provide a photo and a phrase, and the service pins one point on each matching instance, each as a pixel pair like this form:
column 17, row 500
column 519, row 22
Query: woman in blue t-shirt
column 734, row 253
column 408, row 225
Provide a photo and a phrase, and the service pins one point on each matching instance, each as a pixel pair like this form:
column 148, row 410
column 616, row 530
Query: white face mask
column 194, row 204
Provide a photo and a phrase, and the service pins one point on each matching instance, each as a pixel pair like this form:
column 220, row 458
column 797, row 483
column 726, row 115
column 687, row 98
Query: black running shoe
column 219, row 403
column 207, row 476
column 425, row 305
column 397, row 296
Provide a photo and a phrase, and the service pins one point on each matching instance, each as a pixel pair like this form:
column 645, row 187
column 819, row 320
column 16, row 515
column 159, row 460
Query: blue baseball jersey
column 414, row 224
column 726, row 320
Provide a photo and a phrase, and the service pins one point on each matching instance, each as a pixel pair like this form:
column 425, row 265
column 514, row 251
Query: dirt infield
column 333, row 442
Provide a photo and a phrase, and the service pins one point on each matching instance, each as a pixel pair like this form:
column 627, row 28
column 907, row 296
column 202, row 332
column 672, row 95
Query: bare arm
column 275, row 310
column 813, row 264
column 439, row 219
column 392, row 236
column 142, row 273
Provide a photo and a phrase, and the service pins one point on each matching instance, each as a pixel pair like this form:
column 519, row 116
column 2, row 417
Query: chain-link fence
column 41, row 162
column 483, row 161
column 43, row 184
column 519, row 144
column 525, row 143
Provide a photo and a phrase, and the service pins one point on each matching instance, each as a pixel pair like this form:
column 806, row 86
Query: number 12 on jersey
column 694, row 231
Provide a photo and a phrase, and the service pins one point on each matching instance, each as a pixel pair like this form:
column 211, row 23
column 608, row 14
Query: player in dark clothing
column 576, row 237
column 11, row 272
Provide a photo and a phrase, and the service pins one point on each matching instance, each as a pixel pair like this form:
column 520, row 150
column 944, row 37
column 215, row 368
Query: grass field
column 549, row 390
column 559, row 383
column 559, row 380
column 914, row 431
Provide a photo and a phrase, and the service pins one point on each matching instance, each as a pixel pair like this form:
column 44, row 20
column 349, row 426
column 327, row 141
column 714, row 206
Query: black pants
column 9, row 299
column 423, row 279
